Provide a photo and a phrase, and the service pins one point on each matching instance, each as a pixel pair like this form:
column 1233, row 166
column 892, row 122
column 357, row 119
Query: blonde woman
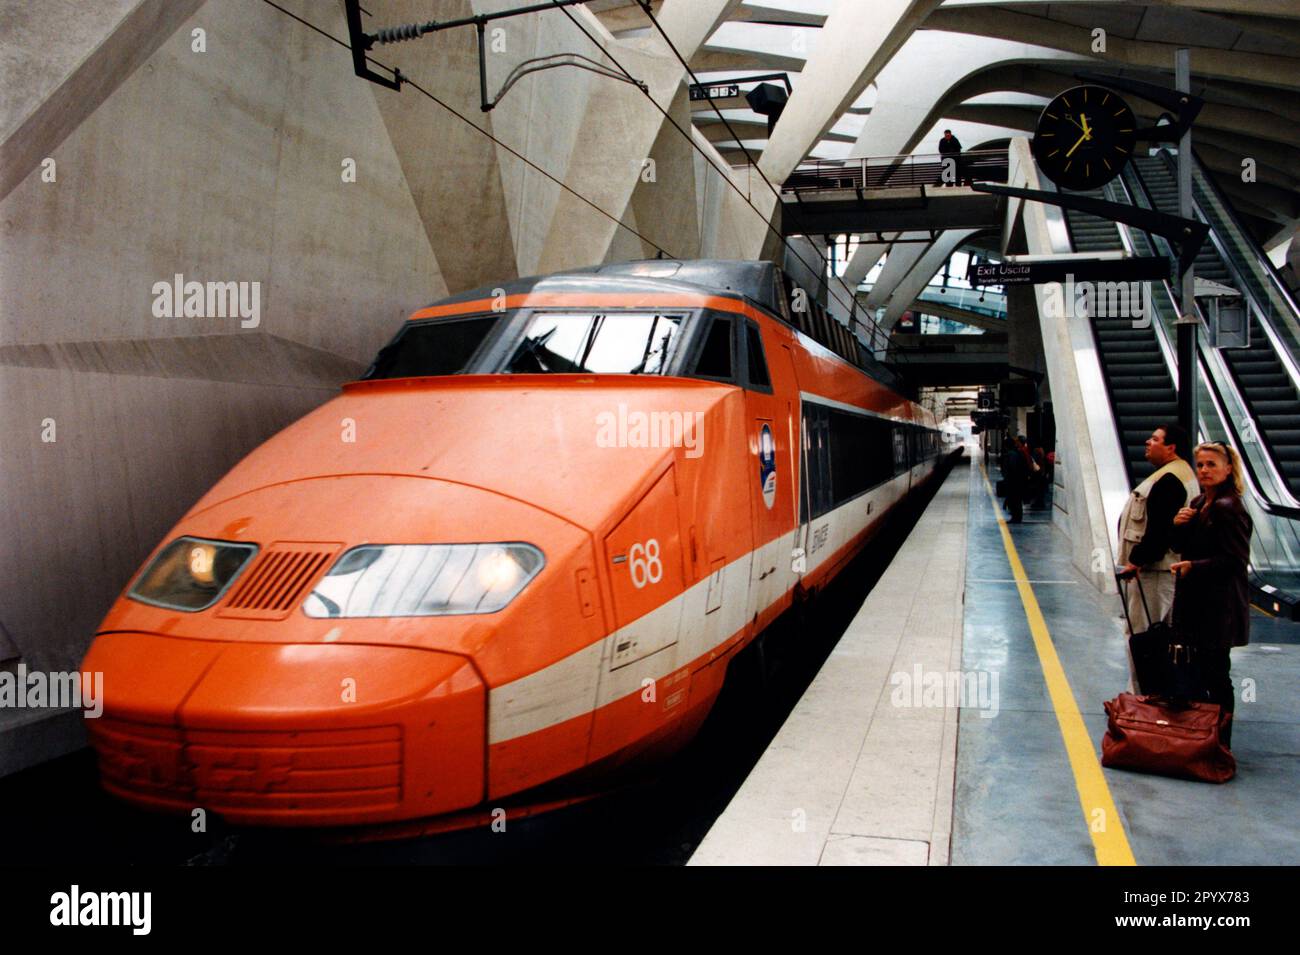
column 1211, row 596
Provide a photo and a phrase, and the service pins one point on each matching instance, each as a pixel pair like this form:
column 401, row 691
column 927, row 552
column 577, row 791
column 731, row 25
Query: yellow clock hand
column 1086, row 131
column 1082, row 139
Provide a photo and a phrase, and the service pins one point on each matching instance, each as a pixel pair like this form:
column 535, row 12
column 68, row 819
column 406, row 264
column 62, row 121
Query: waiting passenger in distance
column 1039, row 480
column 1015, row 474
column 1146, row 528
column 1212, row 598
column 950, row 146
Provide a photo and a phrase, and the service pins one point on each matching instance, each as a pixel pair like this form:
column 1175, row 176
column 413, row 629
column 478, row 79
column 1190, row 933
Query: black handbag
column 1000, row 489
column 1165, row 663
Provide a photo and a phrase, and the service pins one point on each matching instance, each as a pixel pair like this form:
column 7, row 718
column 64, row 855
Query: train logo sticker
column 767, row 465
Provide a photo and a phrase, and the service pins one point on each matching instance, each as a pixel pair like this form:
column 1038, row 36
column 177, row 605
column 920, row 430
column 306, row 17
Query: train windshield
column 442, row 347
column 616, row 343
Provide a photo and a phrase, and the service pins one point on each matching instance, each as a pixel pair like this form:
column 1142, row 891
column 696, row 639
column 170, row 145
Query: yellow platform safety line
column 1109, row 841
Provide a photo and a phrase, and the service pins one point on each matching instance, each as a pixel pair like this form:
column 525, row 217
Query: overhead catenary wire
column 726, row 178
column 851, row 306
column 465, row 119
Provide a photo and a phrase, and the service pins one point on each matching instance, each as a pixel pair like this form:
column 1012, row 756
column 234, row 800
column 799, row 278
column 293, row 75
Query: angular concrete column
column 62, row 60
column 917, row 279
column 1090, row 460
column 451, row 167
column 851, row 50
column 863, row 260
column 898, row 263
column 594, row 133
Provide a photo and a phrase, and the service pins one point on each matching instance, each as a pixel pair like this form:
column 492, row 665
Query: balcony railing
column 893, row 172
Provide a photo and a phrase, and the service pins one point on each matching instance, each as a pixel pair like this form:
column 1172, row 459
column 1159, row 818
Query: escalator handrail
column 1279, row 482
column 1266, row 504
column 1243, row 287
column 1252, row 479
column 1283, row 354
column 1263, row 311
column 1255, row 248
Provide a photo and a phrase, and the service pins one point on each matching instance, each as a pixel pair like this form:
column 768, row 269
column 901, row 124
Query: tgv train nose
column 288, row 734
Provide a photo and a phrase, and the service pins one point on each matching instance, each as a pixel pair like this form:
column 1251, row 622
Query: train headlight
column 191, row 573
column 424, row 580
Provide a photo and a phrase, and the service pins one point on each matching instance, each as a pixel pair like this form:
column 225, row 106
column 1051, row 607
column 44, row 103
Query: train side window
column 900, row 448
column 816, row 494
column 781, row 286
column 759, row 380
column 715, row 357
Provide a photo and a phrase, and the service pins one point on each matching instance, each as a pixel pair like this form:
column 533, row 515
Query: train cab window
column 438, row 347
column 757, row 363
column 617, row 343
column 715, row 357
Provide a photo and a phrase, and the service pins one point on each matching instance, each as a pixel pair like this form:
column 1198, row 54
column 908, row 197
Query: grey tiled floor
column 1015, row 800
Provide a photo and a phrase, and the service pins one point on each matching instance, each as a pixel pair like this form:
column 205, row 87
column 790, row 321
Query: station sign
column 721, row 91
column 1135, row 269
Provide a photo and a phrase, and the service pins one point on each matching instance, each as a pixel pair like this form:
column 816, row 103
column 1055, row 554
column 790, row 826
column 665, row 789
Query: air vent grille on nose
column 276, row 583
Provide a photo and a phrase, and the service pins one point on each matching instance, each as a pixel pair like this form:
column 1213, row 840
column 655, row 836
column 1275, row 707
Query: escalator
column 1260, row 375
column 1241, row 395
column 1142, row 394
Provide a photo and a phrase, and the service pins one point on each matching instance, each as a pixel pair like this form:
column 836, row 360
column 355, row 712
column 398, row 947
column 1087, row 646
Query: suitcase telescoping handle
column 1120, row 580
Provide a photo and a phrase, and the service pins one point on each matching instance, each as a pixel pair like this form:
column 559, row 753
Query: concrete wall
column 227, row 165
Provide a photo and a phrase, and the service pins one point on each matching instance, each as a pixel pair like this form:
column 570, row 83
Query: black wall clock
column 1084, row 137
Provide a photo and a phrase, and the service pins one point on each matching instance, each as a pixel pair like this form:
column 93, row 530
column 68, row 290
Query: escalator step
column 1126, row 354
column 1134, row 374
column 1283, row 437
column 1128, row 397
column 1264, row 380
column 1273, row 393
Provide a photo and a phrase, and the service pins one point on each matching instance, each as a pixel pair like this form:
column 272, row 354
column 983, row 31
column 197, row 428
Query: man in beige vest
column 1145, row 527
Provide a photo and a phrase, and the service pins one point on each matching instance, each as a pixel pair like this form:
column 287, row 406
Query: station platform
column 959, row 721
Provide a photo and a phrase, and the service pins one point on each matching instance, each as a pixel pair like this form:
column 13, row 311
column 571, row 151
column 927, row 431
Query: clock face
column 1084, row 137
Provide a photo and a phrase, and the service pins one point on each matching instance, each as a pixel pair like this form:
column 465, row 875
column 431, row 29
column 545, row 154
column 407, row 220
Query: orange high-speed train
column 523, row 549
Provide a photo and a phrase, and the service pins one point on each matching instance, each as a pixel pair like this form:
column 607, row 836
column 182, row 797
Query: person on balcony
column 950, row 147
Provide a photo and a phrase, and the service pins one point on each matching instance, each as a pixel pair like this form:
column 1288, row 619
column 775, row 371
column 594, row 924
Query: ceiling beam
column 1265, row 69
column 757, row 14
column 716, row 59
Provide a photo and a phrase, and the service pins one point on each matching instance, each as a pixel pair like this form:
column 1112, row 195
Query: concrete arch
column 915, row 84
column 1041, row 79
column 1264, row 69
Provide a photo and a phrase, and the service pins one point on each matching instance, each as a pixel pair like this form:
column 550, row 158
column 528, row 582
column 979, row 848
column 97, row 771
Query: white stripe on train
column 582, row 683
